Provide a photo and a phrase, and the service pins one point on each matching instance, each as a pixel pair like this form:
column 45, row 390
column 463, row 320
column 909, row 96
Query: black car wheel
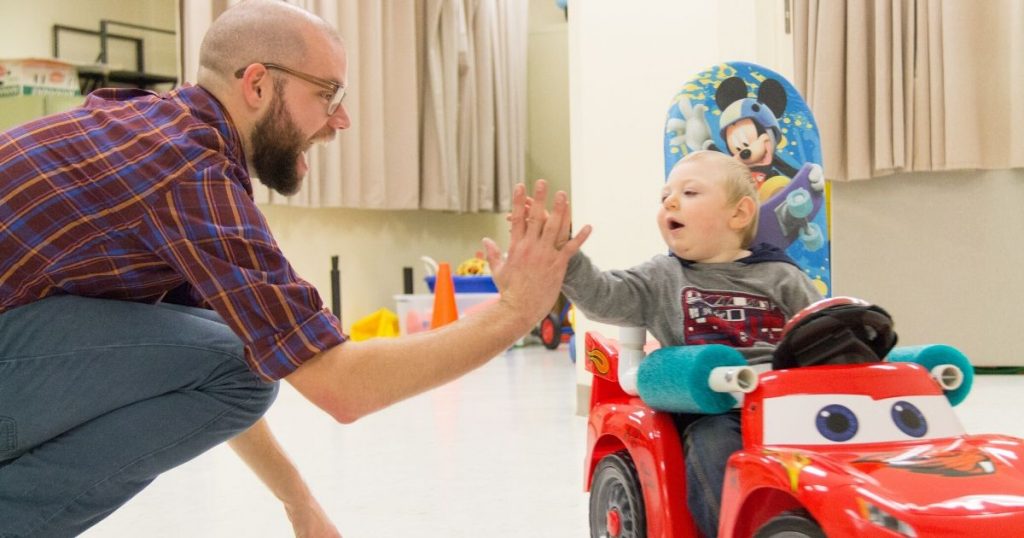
column 550, row 332
column 616, row 501
column 798, row 524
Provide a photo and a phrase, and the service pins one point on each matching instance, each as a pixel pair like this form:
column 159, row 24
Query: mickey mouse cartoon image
column 790, row 197
column 750, row 127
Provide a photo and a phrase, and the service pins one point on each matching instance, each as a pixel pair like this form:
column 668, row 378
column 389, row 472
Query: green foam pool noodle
column 675, row 379
column 933, row 355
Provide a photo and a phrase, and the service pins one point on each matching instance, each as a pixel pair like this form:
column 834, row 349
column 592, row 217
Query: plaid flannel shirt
column 140, row 197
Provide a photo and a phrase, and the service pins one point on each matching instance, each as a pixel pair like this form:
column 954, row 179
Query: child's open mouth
column 674, row 225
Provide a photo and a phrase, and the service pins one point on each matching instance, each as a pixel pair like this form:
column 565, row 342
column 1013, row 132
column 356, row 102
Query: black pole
column 407, row 280
column 103, row 42
column 335, row 287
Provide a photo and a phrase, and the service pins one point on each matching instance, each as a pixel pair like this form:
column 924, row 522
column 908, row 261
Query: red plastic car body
column 908, row 468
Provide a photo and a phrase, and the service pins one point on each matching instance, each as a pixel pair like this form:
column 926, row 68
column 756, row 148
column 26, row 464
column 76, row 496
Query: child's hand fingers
column 573, row 245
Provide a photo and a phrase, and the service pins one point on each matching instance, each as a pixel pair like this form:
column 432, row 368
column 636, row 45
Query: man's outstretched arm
column 354, row 379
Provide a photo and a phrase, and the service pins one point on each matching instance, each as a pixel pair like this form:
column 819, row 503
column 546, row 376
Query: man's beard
column 277, row 144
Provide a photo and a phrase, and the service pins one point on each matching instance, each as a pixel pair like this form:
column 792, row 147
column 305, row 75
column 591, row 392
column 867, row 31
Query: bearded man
column 146, row 312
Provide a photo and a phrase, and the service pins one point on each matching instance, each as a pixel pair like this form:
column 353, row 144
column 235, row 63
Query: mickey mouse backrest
column 755, row 115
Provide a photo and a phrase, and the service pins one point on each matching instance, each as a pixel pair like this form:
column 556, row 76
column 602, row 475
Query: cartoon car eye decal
column 836, row 423
column 823, row 419
column 909, row 419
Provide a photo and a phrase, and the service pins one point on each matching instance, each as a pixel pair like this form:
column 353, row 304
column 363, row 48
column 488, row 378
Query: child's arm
column 616, row 297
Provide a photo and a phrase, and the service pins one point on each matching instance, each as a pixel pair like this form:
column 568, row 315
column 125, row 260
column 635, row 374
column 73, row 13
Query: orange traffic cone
column 445, row 310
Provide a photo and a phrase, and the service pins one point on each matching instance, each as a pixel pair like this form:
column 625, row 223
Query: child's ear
column 743, row 214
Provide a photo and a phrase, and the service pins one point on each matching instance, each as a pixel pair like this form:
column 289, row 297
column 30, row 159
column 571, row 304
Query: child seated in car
column 713, row 287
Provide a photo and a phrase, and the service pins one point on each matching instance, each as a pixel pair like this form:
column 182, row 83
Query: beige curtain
column 474, row 127
column 436, row 96
column 913, row 85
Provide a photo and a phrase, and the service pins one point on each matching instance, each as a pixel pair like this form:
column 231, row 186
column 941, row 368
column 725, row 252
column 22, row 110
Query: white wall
column 939, row 251
column 547, row 151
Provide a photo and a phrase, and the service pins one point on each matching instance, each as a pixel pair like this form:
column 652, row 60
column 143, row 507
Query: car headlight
column 876, row 515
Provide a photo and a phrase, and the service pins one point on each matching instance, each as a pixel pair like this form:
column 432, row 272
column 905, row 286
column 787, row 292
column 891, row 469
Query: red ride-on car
column 839, row 450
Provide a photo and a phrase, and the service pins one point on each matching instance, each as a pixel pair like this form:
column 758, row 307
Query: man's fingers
column 517, row 217
column 493, row 253
column 564, row 230
column 537, row 214
column 540, row 198
column 556, row 220
column 551, row 228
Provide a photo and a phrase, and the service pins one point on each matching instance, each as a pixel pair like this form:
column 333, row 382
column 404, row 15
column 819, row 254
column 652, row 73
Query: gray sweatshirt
column 743, row 304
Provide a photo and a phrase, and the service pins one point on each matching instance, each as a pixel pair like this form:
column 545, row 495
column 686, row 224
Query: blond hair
column 738, row 183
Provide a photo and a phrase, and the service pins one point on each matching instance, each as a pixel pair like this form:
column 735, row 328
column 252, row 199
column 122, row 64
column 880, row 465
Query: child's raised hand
column 530, row 277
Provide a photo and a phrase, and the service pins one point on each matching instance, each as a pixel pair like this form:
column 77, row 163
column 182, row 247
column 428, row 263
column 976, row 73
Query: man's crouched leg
column 99, row 397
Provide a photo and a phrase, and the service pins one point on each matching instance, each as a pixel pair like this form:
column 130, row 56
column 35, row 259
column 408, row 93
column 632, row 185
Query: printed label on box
column 20, row 89
column 39, row 73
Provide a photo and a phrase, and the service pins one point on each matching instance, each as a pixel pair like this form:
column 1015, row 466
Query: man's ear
column 257, row 87
column 743, row 214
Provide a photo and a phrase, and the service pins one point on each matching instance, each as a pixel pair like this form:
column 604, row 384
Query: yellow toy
column 381, row 324
column 474, row 266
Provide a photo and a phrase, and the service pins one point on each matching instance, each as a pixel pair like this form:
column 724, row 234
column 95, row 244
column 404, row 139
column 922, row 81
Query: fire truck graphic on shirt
column 730, row 318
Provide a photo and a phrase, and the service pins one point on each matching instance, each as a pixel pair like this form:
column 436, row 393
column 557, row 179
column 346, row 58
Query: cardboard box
column 37, row 76
column 415, row 311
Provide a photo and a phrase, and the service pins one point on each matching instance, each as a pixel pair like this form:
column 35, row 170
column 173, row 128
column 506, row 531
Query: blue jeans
column 708, row 442
column 98, row 397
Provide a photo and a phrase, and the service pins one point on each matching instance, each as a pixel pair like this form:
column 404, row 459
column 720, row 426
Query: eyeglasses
column 337, row 91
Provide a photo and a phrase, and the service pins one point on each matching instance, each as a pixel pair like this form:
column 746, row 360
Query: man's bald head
column 257, row 31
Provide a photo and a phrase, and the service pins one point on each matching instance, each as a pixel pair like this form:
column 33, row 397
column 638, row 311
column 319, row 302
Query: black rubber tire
column 796, row 524
column 550, row 332
column 615, row 486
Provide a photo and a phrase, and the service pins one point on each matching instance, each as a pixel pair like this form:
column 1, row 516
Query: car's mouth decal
column 792, row 462
column 952, row 463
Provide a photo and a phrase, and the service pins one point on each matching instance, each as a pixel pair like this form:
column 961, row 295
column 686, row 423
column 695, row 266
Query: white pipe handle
column 631, row 353
column 949, row 376
column 733, row 379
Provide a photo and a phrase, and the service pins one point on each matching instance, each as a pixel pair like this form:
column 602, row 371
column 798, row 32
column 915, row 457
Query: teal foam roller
column 800, row 203
column 812, row 237
column 675, row 379
column 933, row 355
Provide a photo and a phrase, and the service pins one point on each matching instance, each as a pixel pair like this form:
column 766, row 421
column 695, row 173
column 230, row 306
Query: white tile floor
column 496, row 454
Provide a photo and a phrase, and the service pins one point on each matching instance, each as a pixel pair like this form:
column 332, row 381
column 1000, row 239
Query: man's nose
column 340, row 119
